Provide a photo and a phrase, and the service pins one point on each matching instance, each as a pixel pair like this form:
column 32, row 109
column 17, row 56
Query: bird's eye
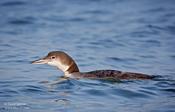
column 53, row 57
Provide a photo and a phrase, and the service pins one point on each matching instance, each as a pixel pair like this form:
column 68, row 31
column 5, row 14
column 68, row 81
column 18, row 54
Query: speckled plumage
column 115, row 74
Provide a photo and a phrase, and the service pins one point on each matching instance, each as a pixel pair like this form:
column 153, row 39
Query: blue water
column 127, row 35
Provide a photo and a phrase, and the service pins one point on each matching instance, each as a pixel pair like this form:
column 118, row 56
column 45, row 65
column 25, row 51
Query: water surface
column 126, row 35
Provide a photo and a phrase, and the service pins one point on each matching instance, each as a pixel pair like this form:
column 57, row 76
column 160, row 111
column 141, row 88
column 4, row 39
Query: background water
column 128, row 35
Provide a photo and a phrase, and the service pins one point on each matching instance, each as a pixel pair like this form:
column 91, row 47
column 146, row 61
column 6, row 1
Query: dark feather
column 101, row 74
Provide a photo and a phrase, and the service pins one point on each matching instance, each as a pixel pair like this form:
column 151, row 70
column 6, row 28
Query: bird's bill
column 40, row 61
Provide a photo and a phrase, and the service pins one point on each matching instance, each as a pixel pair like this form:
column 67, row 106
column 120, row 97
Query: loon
column 65, row 63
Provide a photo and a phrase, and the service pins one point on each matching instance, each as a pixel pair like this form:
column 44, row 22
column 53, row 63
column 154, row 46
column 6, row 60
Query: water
column 125, row 35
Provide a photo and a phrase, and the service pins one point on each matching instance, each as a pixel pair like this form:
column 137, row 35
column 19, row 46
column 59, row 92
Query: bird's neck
column 73, row 68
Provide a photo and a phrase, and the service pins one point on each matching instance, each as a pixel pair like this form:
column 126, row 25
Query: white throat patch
column 59, row 65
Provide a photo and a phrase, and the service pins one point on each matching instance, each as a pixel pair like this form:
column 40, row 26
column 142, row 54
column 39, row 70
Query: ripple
column 8, row 93
column 144, row 33
column 30, row 89
column 164, row 84
column 94, row 12
column 147, row 56
column 155, row 10
column 172, row 56
column 153, row 43
column 148, row 92
column 63, row 101
column 95, row 92
column 116, row 59
column 169, row 90
column 8, row 45
column 13, row 3
column 77, row 19
column 122, row 60
column 170, row 29
column 20, row 22
column 128, row 93
column 66, row 19
column 155, row 27
column 67, row 85
column 11, row 82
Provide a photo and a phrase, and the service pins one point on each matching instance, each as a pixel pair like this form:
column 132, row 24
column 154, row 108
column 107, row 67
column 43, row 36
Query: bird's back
column 101, row 74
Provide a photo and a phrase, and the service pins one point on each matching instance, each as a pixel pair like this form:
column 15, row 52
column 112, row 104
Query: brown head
column 61, row 60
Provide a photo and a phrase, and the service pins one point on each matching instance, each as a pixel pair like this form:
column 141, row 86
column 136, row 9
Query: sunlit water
column 128, row 35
